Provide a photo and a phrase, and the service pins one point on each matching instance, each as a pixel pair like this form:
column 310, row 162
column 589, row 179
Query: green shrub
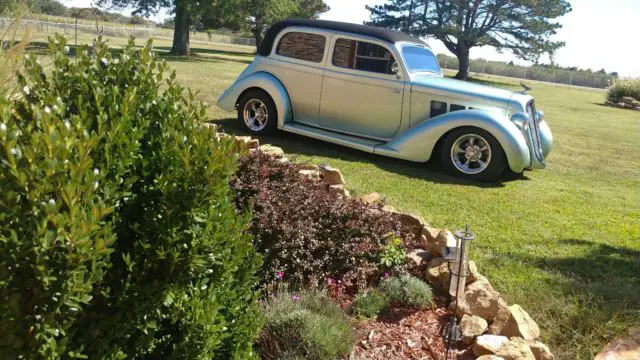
column 118, row 234
column 393, row 254
column 369, row 304
column 407, row 291
column 304, row 326
column 622, row 88
column 303, row 230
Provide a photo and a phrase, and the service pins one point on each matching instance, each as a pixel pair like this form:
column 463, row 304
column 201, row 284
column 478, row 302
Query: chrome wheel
column 255, row 115
column 471, row 154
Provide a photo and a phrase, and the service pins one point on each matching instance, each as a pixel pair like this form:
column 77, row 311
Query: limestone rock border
column 494, row 329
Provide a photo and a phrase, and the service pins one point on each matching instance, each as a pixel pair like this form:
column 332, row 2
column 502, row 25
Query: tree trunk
column 258, row 30
column 463, row 63
column 181, row 30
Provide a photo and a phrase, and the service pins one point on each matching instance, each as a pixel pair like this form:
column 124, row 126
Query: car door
column 298, row 61
column 360, row 94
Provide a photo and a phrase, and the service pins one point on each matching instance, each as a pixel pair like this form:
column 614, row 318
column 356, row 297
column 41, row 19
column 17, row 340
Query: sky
column 598, row 33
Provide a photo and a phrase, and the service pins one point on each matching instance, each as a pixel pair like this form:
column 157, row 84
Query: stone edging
column 493, row 329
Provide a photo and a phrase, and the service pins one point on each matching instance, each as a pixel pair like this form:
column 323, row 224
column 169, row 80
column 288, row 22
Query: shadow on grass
column 593, row 297
column 210, row 55
column 297, row 144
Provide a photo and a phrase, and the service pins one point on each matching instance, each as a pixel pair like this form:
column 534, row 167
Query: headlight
column 522, row 121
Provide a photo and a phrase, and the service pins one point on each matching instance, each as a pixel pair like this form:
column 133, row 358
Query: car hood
column 462, row 90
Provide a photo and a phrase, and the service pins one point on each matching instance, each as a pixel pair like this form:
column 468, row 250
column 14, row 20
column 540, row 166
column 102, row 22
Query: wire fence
column 478, row 66
column 536, row 73
column 67, row 26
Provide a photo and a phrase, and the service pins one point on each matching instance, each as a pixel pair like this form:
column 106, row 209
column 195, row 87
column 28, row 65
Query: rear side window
column 360, row 55
column 302, row 46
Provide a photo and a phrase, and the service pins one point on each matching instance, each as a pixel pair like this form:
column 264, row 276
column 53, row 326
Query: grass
column 562, row 242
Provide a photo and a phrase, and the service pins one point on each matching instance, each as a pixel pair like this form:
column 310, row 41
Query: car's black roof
column 387, row 35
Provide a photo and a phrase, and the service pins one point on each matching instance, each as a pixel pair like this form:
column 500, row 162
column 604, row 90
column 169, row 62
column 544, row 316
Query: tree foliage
column 523, row 27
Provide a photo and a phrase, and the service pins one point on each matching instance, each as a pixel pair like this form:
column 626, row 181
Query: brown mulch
column 406, row 334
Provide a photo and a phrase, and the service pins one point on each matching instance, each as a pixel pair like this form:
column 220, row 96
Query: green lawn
column 562, row 242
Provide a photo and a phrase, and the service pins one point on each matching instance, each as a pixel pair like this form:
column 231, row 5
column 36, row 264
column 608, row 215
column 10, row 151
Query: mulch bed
column 406, row 334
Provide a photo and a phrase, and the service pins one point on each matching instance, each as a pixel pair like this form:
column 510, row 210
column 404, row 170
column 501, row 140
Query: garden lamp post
column 457, row 255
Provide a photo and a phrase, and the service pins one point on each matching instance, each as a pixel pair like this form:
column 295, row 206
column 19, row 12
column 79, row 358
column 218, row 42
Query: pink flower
column 279, row 275
column 329, row 281
column 295, row 298
column 386, row 275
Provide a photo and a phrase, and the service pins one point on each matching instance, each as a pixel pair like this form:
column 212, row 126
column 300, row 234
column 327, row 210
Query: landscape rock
column 540, row 351
column 515, row 349
column 429, row 235
column 473, row 274
column 339, row 190
column 627, row 100
column 370, row 198
column 438, row 273
column 500, row 320
column 442, row 238
column 472, row 326
column 331, row 176
column 242, row 142
column 520, row 324
column 310, row 174
column 389, row 208
column 307, row 166
column 489, row 357
column 418, row 257
column 624, row 347
column 411, row 223
column 271, row 150
column 488, row 344
column 481, row 300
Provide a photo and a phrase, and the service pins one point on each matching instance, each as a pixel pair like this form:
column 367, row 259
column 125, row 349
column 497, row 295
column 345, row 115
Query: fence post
column 571, row 79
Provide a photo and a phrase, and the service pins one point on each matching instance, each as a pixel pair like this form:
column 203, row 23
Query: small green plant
column 393, row 254
column 307, row 325
column 369, row 304
column 407, row 291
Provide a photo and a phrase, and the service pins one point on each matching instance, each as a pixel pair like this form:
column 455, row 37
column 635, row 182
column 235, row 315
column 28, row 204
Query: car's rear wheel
column 257, row 113
column 473, row 153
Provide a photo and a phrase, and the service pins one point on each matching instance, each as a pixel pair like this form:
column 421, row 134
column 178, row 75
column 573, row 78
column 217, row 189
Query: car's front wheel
column 473, row 153
column 257, row 113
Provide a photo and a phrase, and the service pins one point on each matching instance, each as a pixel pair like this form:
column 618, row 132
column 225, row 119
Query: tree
column 522, row 26
column 260, row 14
column 184, row 11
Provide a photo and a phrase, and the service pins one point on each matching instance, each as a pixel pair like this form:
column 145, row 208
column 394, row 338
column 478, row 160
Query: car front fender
column 418, row 143
column 266, row 82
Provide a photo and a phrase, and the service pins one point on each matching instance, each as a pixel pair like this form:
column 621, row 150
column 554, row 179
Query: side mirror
column 395, row 69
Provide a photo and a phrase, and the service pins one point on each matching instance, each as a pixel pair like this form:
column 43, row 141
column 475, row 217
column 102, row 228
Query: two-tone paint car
column 383, row 92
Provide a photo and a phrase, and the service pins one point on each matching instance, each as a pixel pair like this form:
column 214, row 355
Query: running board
column 332, row 137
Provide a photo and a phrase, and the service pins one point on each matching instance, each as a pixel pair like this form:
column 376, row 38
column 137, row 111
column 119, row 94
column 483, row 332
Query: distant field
column 562, row 242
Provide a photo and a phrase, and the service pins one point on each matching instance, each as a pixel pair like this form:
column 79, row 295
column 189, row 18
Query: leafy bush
column 369, row 304
column 303, row 230
column 393, row 254
column 304, row 326
column 622, row 88
column 118, row 233
column 407, row 291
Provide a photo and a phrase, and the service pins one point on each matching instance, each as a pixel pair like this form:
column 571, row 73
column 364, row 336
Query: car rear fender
column 418, row 143
column 228, row 101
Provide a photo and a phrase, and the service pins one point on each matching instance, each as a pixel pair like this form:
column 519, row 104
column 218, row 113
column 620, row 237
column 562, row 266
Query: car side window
column 361, row 55
column 302, row 46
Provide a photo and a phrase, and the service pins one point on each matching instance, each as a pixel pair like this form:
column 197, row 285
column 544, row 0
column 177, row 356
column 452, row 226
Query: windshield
column 419, row 59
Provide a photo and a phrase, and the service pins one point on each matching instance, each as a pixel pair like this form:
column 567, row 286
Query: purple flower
column 295, row 298
column 279, row 275
column 386, row 275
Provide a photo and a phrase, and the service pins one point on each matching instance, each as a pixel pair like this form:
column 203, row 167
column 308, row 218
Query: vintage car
column 383, row 92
